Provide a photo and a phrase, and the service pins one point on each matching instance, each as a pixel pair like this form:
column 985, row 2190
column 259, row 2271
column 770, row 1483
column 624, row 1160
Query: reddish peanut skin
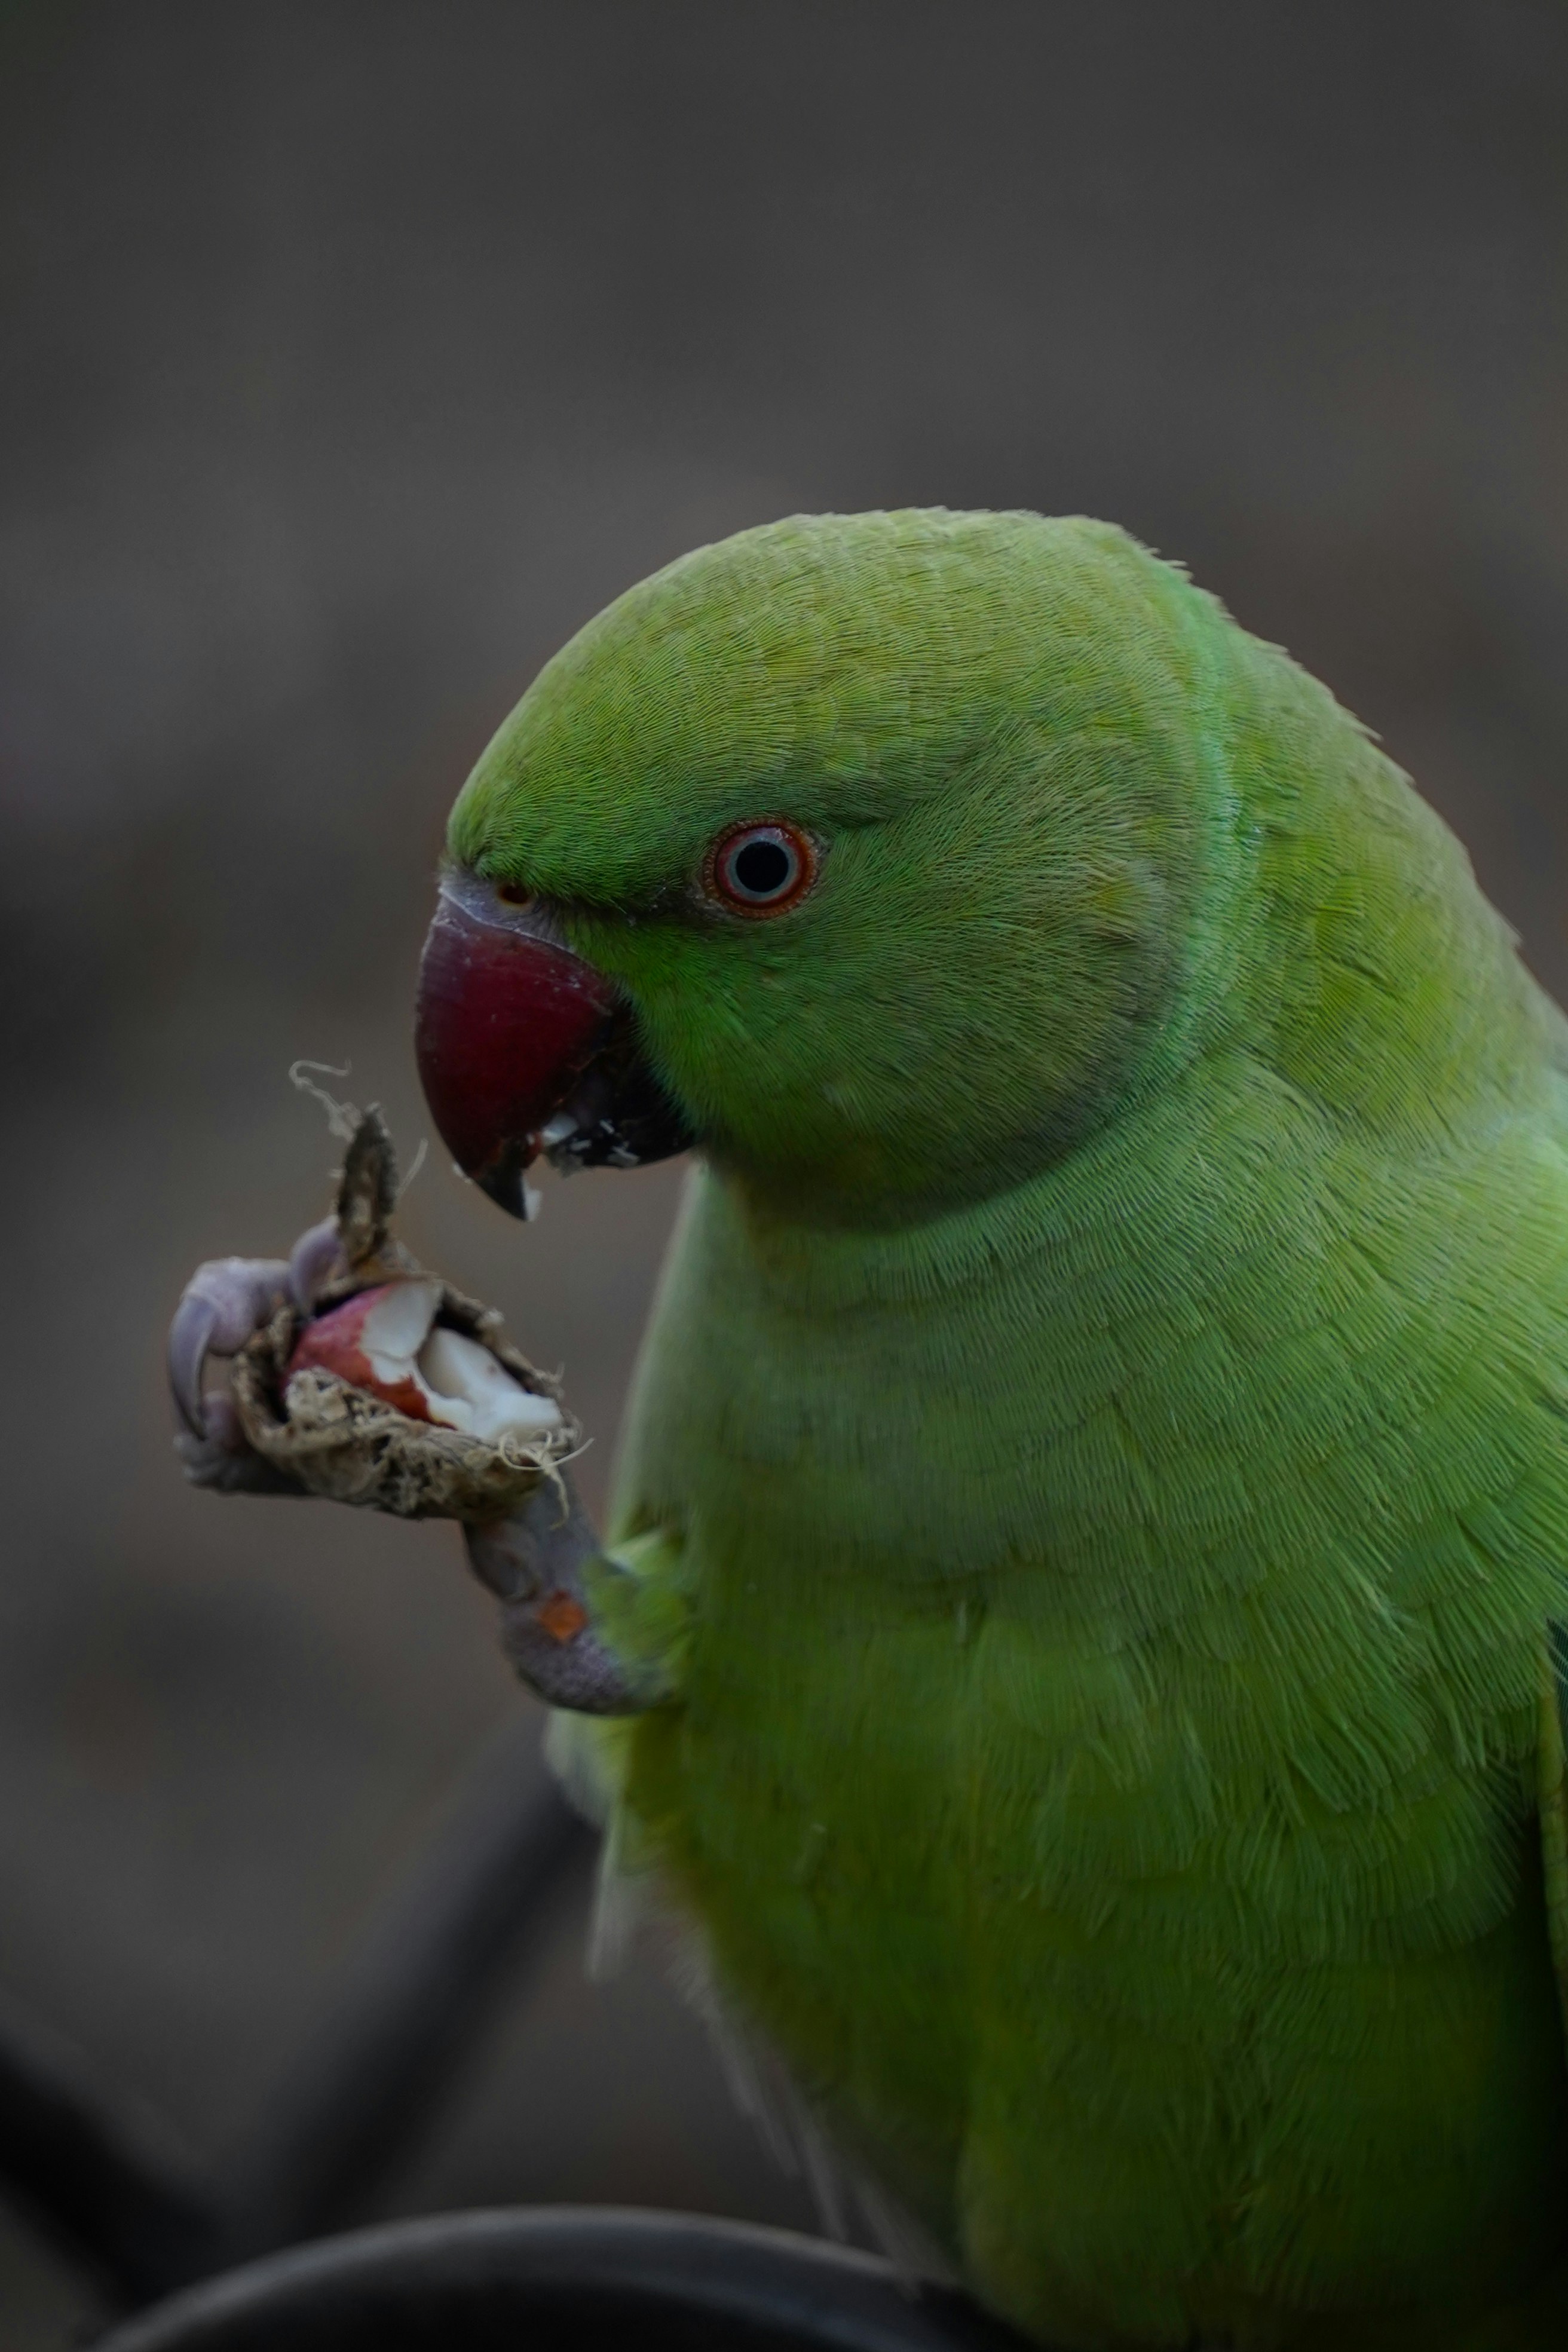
column 333, row 1343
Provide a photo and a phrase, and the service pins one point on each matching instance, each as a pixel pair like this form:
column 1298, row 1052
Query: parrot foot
column 348, row 1433
column 225, row 1302
column 533, row 1562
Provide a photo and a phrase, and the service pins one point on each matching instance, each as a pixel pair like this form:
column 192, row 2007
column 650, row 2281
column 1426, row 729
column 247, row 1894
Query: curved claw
column 224, row 1302
column 190, row 1334
column 315, row 1259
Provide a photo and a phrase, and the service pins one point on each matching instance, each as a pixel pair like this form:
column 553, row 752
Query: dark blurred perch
column 414, row 1999
column 560, row 2279
column 355, row 2101
column 418, row 1994
column 356, row 2098
column 92, row 2174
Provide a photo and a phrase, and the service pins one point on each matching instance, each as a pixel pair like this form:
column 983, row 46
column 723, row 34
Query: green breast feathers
column 1097, row 1494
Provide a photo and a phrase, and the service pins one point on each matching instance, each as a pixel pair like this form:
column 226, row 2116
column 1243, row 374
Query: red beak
column 506, row 1022
column 522, row 1048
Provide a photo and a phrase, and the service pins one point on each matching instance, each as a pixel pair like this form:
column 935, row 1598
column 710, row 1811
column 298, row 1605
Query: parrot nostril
column 514, row 894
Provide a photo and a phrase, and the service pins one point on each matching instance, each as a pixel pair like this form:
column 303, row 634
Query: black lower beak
column 617, row 1114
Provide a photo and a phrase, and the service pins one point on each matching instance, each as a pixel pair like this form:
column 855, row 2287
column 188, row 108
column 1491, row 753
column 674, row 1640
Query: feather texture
column 1100, row 1458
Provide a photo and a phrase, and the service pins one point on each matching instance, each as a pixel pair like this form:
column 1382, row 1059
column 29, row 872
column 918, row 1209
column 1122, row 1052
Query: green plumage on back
column 1099, row 1473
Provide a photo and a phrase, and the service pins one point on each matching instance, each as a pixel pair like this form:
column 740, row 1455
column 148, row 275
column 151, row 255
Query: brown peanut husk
column 350, row 1446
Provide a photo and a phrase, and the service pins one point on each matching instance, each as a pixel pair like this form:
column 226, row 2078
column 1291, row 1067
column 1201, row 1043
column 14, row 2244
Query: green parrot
column 1077, row 1630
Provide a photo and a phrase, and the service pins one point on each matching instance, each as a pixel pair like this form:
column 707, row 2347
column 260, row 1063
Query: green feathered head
column 905, row 844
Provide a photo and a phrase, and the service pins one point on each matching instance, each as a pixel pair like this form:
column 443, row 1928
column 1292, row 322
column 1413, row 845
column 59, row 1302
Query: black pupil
column 762, row 868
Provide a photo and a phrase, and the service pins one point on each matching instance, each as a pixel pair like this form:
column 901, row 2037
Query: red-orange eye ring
column 761, row 868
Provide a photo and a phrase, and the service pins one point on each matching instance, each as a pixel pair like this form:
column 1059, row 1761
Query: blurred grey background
column 351, row 356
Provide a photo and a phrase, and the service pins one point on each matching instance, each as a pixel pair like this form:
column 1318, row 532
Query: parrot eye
column 760, row 869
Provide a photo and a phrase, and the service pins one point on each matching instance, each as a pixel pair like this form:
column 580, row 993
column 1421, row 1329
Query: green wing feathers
column 1098, row 1478
column 1555, row 1798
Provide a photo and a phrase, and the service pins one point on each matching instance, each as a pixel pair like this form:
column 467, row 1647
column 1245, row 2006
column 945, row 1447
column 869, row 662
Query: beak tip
column 504, row 1180
column 506, row 1019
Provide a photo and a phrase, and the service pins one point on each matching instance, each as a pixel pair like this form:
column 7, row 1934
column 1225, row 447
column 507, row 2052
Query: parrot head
column 859, row 851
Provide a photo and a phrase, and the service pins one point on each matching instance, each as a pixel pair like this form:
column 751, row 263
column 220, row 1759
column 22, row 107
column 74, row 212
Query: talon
column 190, row 1333
column 225, row 1301
column 223, row 1432
column 315, row 1258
